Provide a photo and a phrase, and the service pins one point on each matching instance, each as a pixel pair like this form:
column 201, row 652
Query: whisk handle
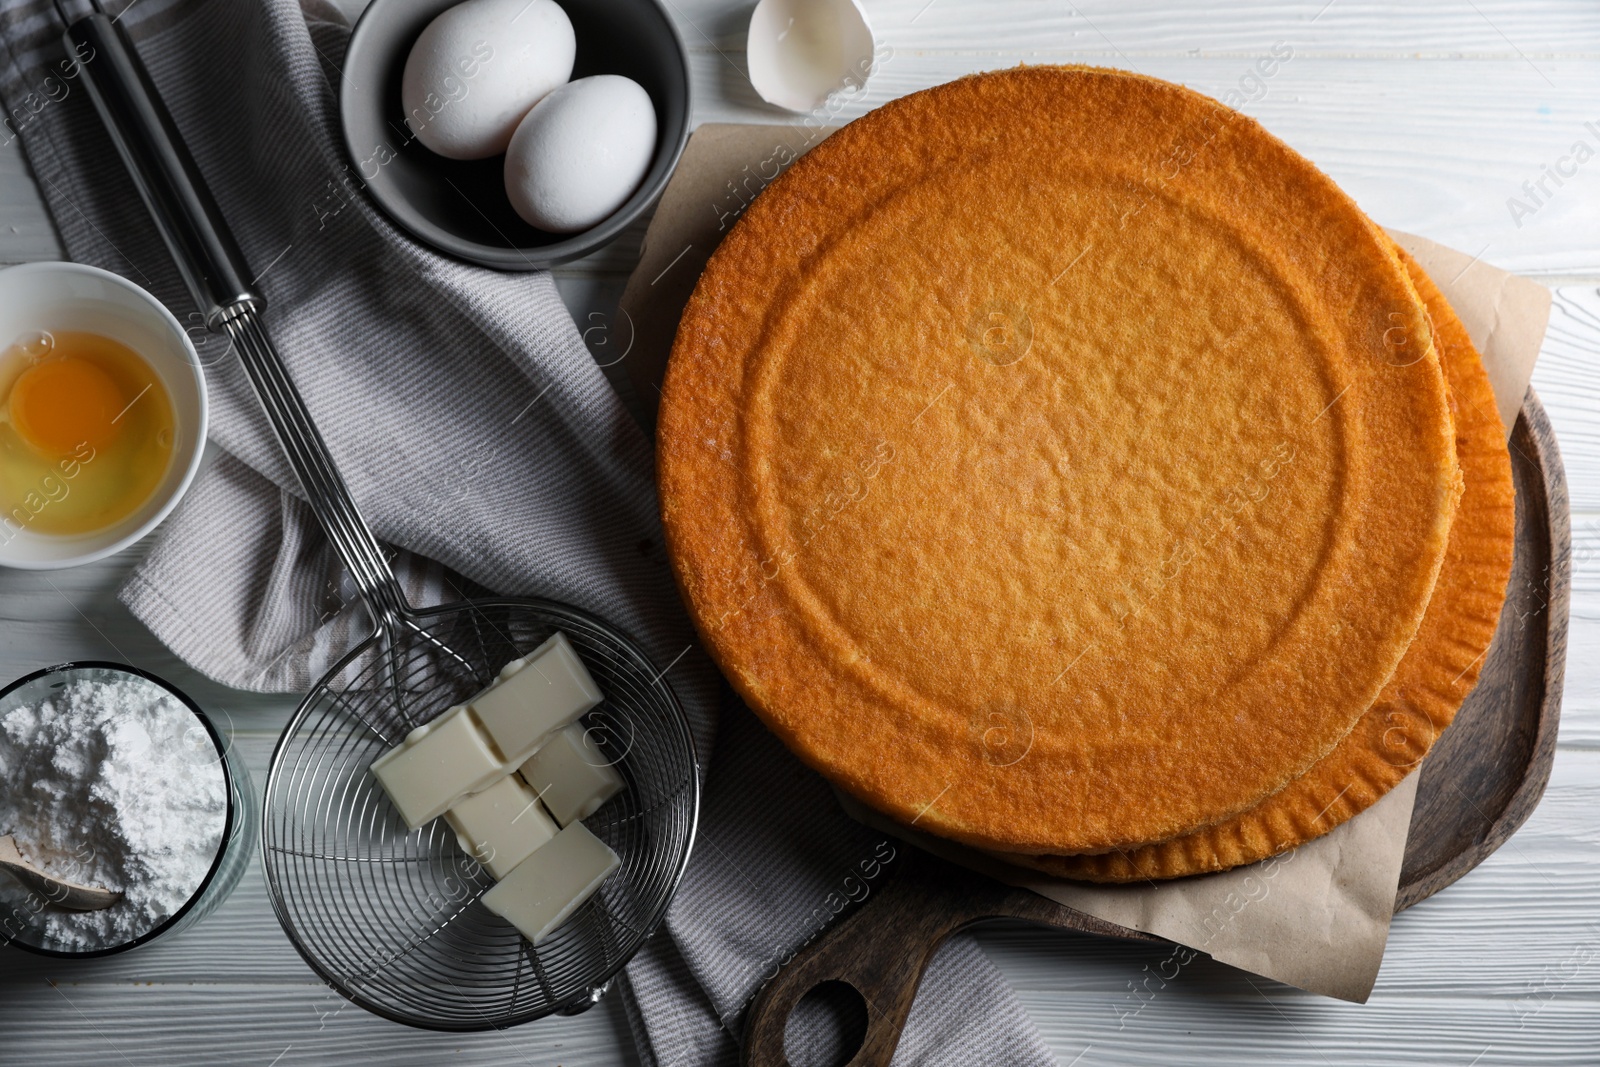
column 207, row 256
column 218, row 277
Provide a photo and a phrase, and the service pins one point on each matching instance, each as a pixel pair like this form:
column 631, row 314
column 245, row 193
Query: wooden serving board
column 1479, row 783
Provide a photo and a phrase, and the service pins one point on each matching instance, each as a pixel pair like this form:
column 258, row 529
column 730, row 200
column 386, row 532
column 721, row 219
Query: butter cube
column 535, row 696
column 551, row 884
column 571, row 775
column 436, row 765
column 502, row 825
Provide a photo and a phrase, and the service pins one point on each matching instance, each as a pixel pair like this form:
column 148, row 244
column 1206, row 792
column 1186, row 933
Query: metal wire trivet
column 390, row 917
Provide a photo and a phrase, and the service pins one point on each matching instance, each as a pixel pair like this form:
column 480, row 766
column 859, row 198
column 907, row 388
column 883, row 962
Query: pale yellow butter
column 436, row 765
column 547, row 887
column 502, row 825
column 571, row 775
column 535, row 696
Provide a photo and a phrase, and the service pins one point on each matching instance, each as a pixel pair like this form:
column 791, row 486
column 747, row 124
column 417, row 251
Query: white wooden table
column 1432, row 114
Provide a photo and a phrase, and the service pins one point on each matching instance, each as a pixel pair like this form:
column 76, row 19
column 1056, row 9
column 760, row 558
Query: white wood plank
column 1420, row 28
column 1580, row 705
column 1568, row 380
column 253, row 1025
column 1198, row 1025
column 26, row 232
column 1115, row 28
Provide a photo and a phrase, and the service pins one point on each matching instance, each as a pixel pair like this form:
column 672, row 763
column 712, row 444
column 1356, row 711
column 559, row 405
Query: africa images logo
column 1537, row 190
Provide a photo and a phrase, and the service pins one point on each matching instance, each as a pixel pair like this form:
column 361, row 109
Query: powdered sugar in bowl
column 110, row 776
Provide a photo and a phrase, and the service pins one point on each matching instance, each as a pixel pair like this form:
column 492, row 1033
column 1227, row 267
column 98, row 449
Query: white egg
column 581, row 152
column 477, row 69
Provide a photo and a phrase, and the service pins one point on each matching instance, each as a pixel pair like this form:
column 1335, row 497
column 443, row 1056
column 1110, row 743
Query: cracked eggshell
column 580, row 153
column 476, row 70
column 801, row 51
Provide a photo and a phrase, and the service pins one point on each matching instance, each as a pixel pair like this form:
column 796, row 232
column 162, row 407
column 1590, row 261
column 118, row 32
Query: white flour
column 109, row 781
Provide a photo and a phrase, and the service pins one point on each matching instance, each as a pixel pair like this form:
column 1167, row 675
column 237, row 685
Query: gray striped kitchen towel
column 482, row 442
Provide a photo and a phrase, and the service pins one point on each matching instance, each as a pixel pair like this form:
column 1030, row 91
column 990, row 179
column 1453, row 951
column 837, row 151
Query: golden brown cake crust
column 1056, row 460
column 1433, row 679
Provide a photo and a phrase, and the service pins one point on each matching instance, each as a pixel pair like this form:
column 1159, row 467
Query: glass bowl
column 18, row 923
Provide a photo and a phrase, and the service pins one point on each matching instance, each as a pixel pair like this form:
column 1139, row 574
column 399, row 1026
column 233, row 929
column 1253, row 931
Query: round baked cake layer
column 1055, row 460
column 1434, row 677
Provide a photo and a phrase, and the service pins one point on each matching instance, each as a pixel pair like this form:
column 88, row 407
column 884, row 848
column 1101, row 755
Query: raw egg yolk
column 60, row 404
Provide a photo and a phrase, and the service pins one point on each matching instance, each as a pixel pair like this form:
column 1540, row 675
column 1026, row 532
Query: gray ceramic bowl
column 461, row 207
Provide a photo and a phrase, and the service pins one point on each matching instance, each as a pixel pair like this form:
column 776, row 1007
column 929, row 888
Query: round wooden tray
column 1479, row 784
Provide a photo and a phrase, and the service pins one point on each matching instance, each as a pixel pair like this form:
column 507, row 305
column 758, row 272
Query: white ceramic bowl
column 60, row 296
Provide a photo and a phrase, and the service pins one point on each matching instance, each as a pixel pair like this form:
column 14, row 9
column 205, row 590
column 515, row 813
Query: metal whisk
column 390, row 917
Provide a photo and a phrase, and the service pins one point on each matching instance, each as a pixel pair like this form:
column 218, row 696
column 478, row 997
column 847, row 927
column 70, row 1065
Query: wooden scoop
column 58, row 891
